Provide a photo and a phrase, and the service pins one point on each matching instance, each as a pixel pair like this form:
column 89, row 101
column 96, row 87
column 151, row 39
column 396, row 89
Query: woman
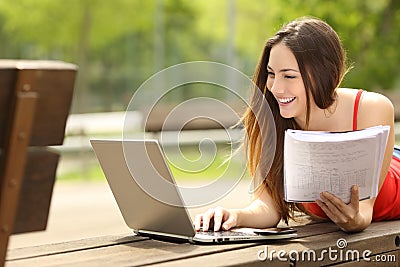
column 299, row 72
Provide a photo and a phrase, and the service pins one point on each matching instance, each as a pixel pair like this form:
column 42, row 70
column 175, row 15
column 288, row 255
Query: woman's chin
column 286, row 115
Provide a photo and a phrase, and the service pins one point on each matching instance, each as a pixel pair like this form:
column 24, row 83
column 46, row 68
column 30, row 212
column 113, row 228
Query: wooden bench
column 35, row 99
column 196, row 116
column 192, row 123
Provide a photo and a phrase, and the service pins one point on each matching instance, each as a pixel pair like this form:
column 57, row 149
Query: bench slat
column 37, row 188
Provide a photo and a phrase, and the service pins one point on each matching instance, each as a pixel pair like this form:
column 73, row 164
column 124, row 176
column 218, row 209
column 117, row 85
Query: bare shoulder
column 368, row 98
column 375, row 109
column 373, row 102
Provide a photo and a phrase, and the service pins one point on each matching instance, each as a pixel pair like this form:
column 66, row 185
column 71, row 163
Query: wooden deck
column 317, row 244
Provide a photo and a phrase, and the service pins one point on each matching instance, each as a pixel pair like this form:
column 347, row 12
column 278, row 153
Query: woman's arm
column 375, row 109
column 261, row 213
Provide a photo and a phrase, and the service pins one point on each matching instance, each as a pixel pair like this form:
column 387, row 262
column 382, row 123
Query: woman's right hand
column 217, row 218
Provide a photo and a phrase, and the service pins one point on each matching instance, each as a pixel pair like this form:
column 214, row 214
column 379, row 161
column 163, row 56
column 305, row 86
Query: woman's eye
column 290, row 76
column 271, row 74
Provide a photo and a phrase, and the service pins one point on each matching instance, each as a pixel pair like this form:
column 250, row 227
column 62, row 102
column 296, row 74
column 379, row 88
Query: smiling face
column 286, row 83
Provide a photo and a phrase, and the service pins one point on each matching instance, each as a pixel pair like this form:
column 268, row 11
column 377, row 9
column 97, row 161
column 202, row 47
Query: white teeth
column 286, row 100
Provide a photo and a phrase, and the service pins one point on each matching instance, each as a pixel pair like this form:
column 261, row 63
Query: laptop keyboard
column 225, row 233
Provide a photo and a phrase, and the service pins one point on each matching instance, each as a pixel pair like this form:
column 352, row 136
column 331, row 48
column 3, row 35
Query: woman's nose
column 276, row 87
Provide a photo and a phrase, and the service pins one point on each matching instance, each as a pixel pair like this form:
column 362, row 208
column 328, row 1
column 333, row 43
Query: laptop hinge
column 162, row 235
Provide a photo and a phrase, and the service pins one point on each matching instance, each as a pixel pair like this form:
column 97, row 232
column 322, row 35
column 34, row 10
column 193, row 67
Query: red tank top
column 387, row 203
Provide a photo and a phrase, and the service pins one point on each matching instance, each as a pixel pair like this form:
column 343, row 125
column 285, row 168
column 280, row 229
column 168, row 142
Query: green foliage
column 221, row 167
column 91, row 172
column 119, row 44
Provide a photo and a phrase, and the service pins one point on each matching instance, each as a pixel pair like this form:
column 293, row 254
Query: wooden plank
column 13, row 162
column 7, row 81
column 193, row 117
column 22, row 64
column 36, row 192
column 55, row 88
column 53, row 81
column 140, row 253
column 72, row 246
column 378, row 238
column 129, row 254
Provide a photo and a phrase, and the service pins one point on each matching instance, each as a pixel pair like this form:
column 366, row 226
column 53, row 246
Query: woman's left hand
column 347, row 216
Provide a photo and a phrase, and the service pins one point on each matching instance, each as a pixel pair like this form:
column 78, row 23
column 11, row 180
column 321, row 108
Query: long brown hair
column 322, row 64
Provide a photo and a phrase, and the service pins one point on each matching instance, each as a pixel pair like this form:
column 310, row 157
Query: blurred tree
column 78, row 31
column 369, row 33
column 119, row 44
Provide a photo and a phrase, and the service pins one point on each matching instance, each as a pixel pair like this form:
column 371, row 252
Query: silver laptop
column 146, row 214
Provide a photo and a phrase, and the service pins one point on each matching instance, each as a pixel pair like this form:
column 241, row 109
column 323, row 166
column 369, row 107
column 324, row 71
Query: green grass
column 90, row 173
column 219, row 167
column 182, row 168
